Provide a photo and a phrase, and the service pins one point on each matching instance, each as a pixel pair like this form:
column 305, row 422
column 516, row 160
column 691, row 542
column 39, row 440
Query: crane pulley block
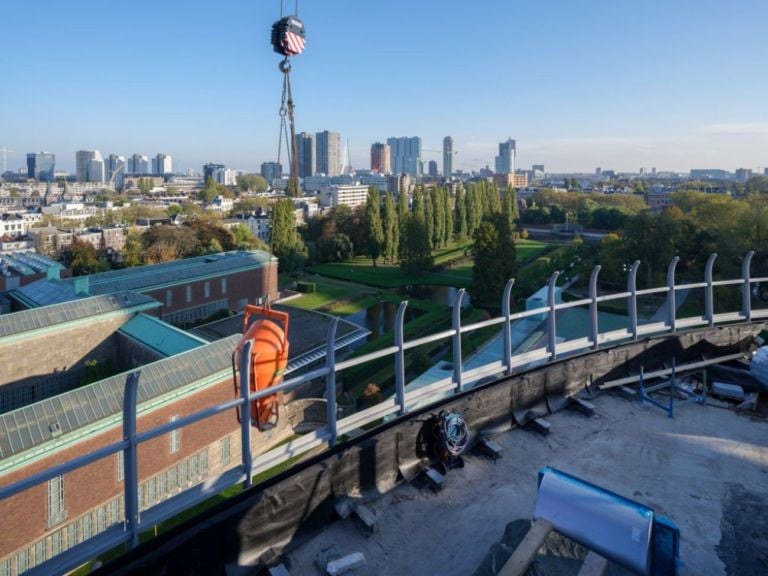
column 288, row 36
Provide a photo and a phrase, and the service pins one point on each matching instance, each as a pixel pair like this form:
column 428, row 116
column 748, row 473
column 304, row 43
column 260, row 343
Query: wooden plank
column 594, row 565
column 524, row 554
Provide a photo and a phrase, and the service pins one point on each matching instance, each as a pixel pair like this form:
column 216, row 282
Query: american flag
column 293, row 41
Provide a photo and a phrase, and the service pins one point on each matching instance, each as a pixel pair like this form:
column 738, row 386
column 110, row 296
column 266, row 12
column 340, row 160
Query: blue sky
column 675, row 84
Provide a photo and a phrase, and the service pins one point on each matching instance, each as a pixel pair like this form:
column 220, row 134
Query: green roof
column 45, row 421
column 163, row 338
column 177, row 272
column 48, row 316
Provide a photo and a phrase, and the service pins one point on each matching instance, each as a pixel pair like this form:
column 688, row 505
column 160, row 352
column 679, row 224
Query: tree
column 374, row 230
column 495, row 260
column 438, row 217
column 429, row 219
column 86, row 258
column 169, row 242
column 416, row 255
column 509, row 207
column 133, row 252
column 391, row 229
column 252, row 182
column 460, row 221
column 287, row 245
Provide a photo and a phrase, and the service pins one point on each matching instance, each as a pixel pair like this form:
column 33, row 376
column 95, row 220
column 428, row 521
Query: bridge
column 502, row 393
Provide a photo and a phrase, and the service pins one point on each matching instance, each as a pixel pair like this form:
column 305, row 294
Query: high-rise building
column 115, row 170
column 271, row 171
column 432, row 168
column 40, row 166
column 328, row 147
column 447, row 157
column 380, row 158
column 162, row 164
column 538, row 168
column 505, row 161
column 212, row 171
column 138, row 164
column 305, row 152
column 89, row 166
column 743, row 174
column 405, row 155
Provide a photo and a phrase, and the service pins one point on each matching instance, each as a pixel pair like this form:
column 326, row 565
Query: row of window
column 151, row 492
column 196, row 313
column 84, row 528
column 57, row 383
column 188, row 292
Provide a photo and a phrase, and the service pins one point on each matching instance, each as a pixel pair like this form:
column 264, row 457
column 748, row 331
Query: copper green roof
column 162, row 338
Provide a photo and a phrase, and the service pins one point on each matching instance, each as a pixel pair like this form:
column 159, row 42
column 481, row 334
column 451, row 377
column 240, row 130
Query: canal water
column 445, row 295
column 379, row 318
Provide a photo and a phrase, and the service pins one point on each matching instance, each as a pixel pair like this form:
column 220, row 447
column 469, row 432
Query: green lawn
column 526, row 250
column 362, row 271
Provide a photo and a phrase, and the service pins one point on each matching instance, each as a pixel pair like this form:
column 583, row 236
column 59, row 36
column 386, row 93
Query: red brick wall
column 92, row 486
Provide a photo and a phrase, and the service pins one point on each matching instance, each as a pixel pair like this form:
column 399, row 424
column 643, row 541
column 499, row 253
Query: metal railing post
column 632, row 289
column 506, row 310
column 746, row 293
column 330, row 381
column 245, row 413
column 593, row 318
column 551, row 320
column 709, row 297
column 456, row 325
column 131, row 459
column 400, row 356
column 671, row 297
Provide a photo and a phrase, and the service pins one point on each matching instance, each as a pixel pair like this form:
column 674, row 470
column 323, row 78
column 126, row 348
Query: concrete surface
column 706, row 469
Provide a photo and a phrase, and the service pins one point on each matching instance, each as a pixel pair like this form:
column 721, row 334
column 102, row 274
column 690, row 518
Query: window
column 40, row 555
column 169, row 298
column 189, row 294
column 225, row 451
column 57, row 512
column 22, row 561
column 175, row 437
column 207, row 288
column 223, row 285
column 120, row 466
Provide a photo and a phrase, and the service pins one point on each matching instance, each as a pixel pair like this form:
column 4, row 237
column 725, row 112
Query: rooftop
column 74, row 412
column 706, row 469
column 48, row 316
column 169, row 273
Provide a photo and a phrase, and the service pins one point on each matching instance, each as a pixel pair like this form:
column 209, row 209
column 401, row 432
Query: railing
column 460, row 379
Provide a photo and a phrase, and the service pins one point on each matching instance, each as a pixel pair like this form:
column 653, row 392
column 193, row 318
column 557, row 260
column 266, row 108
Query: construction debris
column 346, row 564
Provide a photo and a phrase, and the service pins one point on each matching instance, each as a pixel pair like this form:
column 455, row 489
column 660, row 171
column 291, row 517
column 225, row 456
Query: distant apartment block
column 328, row 150
column 89, row 165
column 405, row 155
column 271, row 171
column 162, row 164
column 115, row 170
column 349, row 195
column 138, row 164
column 505, row 161
column 380, row 158
column 447, row 157
column 305, row 154
column 41, row 166
column 709, row 174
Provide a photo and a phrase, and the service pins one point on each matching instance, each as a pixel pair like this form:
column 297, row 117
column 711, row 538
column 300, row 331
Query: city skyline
column 597, row 84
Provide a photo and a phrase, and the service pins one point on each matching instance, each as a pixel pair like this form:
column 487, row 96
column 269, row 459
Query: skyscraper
column 505, row 161
column 115, row 170
column 305, row 152
column 328, row 147
column 40, row 166
column 162, row 164
column 405, row 155
column 447, row 157
column 380, row 154
column 89, row 166
column 138, row 164
column 271, row 171
column 432, row 168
